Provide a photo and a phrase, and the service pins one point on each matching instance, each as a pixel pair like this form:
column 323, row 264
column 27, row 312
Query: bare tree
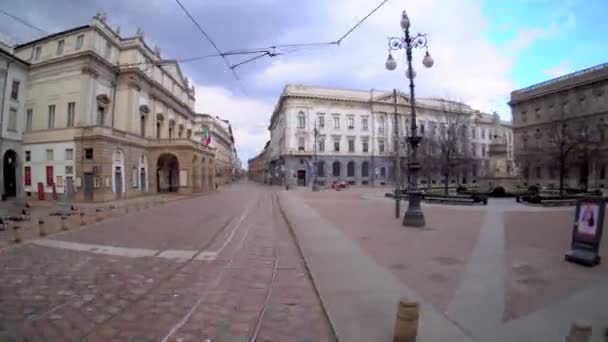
column 450, row 144
column 567, row 141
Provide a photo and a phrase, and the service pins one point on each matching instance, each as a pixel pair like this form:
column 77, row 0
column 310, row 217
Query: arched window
column 336, row 169
column 301, row 120
column 321, row 169
column 365, row 169
column 350, row 169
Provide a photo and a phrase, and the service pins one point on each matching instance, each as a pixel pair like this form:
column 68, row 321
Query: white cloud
column 558, row 70
column 249, row 116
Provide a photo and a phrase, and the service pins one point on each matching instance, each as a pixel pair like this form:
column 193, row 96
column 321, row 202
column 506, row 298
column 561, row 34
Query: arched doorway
column 118, row 174
column 143, row 173
column 350, row 169
column 10, row 173
column 335, row 169
column 365, row 169
column 167, row 173
column 195, row 177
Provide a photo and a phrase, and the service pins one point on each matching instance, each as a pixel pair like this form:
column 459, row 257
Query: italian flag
column 206, row 136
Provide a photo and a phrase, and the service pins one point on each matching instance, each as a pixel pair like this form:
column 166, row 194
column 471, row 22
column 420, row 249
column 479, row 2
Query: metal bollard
column 41, row 227
column 17, row 233
column 406, row 325
column 99, row 215
column 64, row 225
column 82, row 222
column 579, row 332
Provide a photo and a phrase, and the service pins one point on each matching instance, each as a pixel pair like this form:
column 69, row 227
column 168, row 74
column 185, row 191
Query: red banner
column 28, row 176
column 40, row 191
column 49, row 176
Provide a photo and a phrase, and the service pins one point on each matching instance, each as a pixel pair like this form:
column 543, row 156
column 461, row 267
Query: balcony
column 178, row 143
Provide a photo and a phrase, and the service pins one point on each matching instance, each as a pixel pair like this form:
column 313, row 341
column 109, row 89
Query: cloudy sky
column 482, row 49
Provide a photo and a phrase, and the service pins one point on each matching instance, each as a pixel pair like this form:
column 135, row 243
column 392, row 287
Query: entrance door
column 10, row 174
column 142, row 180
column 88, row 186
column 118, row 182
column 301, row 178
column 584, row 175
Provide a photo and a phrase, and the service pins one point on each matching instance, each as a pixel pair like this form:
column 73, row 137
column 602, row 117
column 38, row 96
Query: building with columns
column 221, row 139
column 562, row 123
column 13, row 85
column 356, row 142
column 106, row 117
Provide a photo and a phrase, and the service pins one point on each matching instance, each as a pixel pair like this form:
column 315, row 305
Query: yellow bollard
column 579, row 332
column 406, row 326
column 64, row 225
column 17, row 233
column 41, row 227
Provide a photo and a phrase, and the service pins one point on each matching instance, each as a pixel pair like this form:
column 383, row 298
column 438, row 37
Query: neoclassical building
column 355, row 136
column 568, row 113
column 221, row 139
column 257, row 167
column 13, row 85
column 106, row 117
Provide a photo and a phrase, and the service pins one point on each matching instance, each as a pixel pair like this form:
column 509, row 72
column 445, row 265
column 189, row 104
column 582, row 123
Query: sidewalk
column 502, row 281
column 43, row 210
column 359, row 296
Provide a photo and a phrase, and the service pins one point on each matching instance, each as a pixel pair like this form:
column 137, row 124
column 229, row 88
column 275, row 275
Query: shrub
column 533, row 189
column 461, row 189
column 498, row 191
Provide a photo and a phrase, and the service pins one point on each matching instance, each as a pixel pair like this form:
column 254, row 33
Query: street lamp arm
column 397, row 43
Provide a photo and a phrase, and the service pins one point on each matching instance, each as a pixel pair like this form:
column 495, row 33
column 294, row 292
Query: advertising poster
column 588, row 219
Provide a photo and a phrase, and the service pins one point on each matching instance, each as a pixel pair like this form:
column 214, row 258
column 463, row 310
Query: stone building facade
column 568, row 113
column 355, row 139
column 107, row 118
column 13, row 85
column 222, row 141
column 257, row 167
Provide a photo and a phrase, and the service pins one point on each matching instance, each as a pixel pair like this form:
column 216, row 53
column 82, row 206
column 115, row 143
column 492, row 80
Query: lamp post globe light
column 414, row 217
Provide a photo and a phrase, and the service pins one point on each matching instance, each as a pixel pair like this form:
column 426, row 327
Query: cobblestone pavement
column 256, row 285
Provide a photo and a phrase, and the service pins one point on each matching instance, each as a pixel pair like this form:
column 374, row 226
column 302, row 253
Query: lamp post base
column 414, row 217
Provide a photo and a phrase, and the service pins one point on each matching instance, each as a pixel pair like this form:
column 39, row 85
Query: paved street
column 495, row 271
column 222, row 266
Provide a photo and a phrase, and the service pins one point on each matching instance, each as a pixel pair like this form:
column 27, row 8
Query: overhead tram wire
column 23, row 21
column 200, row 28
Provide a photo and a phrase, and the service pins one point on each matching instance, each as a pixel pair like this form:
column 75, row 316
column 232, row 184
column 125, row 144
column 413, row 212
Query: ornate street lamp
column 414, row 217
column 314, row 163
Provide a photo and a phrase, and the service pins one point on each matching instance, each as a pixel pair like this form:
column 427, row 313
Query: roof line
column 19, row 46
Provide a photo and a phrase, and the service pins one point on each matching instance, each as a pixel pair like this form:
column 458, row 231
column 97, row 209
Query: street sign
column 587, row 232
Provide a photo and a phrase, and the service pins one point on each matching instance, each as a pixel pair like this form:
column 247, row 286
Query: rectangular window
column 49, row 175
column 69, row 154
column 60, row 47
column 321, row 121
column 483, row 133
column 473, row 132
column 483, row 151
column 301, row 142
column 88, row 154
column 301, row 120
column 351, row 145
column 336, row 145
column 12, row 120
column 79, row 41
column 365, row 146
column 27, row 176
column 50, row 155
column 15, row 90
column 108, row 51
column 381, row 125
column 101, row 115
column 322, row 145
column 364, row 124
column 51, row 119
column 603, row 172
column 381, row 146
column 28, row 120
column 69, row 169
column 71, row 110
column 28, row 156
column 421, row 128
column 351, row 123
column 336, row 122
column 37, row 53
